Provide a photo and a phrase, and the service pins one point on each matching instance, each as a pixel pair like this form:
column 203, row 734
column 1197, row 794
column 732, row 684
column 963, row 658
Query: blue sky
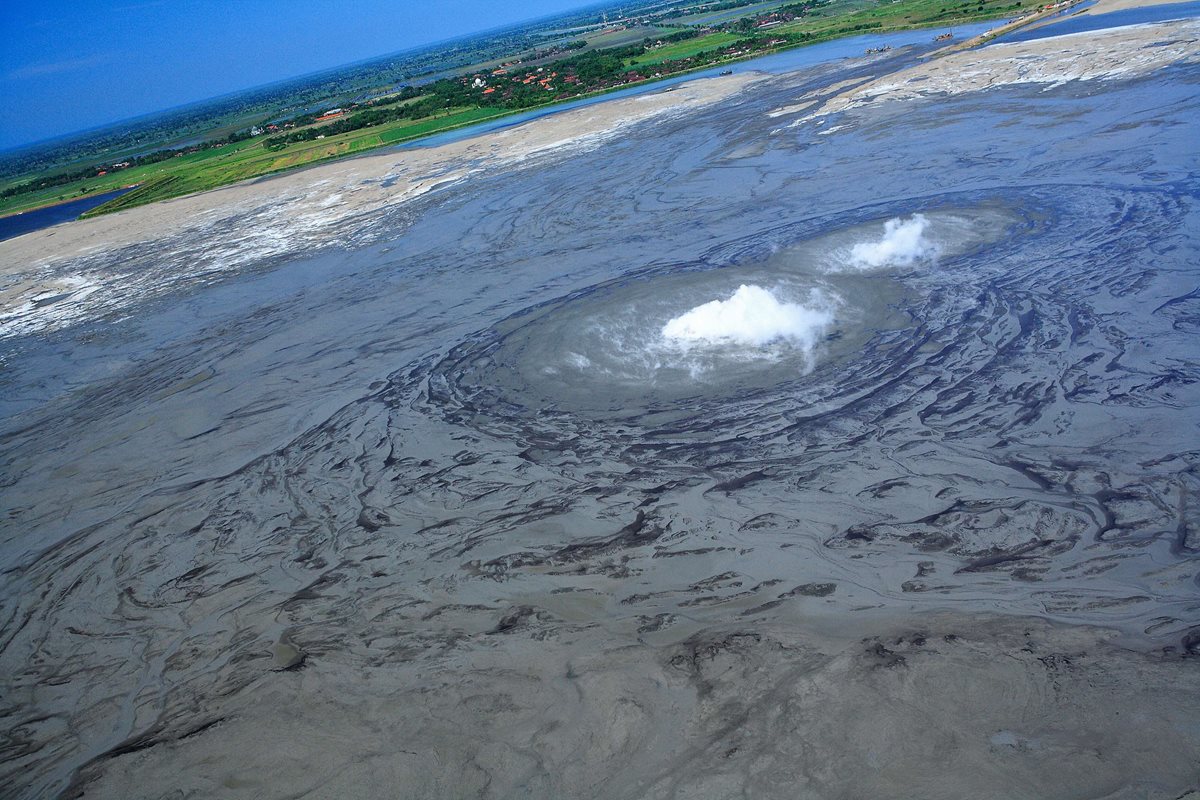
column 67, row 65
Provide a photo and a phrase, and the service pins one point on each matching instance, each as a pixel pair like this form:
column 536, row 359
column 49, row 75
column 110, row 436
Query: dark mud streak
column 1019, row 554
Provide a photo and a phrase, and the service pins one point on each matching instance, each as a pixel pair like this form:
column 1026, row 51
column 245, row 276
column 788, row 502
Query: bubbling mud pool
column 781, row 314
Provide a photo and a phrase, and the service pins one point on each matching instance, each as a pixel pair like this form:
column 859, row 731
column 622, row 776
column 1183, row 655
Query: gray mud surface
column 427, row 514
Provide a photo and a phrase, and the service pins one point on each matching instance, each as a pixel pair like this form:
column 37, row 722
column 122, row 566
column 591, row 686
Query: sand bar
column 1115, row 53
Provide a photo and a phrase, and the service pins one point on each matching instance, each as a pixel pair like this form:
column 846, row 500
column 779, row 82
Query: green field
column 685, row 49
column 208, row 169
column 714, row 17
column 602, row 41
column 855, row 16
column 185, row 164
column 456, row 120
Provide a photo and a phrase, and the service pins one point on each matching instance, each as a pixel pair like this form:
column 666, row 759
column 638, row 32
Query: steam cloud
column 903, row 243
column 751, row 317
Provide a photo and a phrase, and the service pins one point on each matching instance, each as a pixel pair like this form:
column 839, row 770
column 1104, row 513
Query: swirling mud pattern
column 966, row 388
column 728, row 458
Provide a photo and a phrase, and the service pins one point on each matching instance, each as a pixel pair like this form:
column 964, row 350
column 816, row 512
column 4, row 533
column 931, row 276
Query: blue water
column 1115, row 19
column 785, row 61
column 40, row 218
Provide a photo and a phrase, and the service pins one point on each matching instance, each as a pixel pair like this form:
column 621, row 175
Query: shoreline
column 646, row 83
column 57, row 276
column 421, row 167
column 1049, row 17
column 1105, row 54
column 1032, row 20
column 309, row 208
column 1035, row 20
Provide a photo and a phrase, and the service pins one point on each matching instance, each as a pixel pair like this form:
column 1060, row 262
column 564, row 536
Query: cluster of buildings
column 538, row 77
column 259, row 130
column 118, row 166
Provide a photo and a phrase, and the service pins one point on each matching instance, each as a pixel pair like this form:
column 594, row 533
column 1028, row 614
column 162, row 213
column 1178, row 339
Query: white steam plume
column 752, row 316
column 903, row 243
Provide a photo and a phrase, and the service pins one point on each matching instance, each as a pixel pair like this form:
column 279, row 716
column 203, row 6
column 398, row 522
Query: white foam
column 751, row 317
column 903, row 243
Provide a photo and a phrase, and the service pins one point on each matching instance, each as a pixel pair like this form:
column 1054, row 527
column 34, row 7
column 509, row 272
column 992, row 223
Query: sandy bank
column 339, row 189
column 1115, row 53
column 1051, row 16
column 77, row 271
column 1105, row 6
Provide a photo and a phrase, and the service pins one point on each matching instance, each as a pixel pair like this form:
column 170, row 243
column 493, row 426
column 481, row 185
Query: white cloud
column 56, row 67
